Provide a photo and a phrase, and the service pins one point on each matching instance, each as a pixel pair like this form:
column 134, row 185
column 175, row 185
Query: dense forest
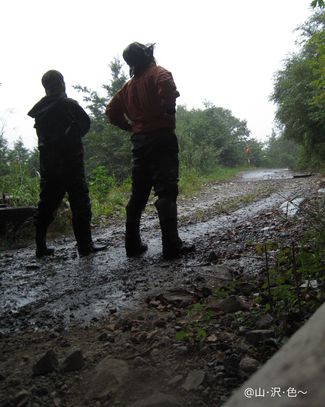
column 210, row 138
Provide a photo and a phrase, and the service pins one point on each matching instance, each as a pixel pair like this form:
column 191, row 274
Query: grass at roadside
column 109, row 199
column 112, row 207
column 191, row 181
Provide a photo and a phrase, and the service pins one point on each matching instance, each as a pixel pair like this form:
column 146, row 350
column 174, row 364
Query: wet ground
column 103, row 331
column 66, row 290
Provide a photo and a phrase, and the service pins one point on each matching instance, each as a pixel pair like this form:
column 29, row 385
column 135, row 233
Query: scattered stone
column 106, row 337
column 194, row 379
column 74, row 361
column 164, row 341
column 57, row 402
column 155, row 353
column 178, row 297
column 160, row 323
column 152, row 334
column 258, row 335
column 109, row 375
column 64, row 343
column 220, row 271
column 233, row 304
column 212, row 338
column 265, row 321
column 248, row 365
column 180, row 349
column 21, row 399
column 309, row 284
column 243, row 346
column 175, row 380
column 158, row 400
column 231, row 363
column 139, row 362
column 47, row 364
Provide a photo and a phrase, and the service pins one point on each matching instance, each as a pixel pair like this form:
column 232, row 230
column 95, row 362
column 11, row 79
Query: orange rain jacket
column 146, row 102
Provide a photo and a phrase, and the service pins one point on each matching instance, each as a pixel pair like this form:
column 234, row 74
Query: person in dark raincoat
column 145, row 106
column 60, row 124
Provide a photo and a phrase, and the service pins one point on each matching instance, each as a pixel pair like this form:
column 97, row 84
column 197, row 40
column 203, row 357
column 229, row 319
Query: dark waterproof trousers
column 155, row 166
column 52, row 191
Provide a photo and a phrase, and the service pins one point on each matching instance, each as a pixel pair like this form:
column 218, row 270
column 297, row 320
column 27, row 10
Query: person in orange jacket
column 146, row 107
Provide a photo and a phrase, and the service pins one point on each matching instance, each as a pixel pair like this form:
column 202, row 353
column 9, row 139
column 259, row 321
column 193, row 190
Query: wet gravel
column 104, row 331
column 65, row 290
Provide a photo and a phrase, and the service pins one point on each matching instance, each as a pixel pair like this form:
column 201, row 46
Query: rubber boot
column 133, row 244
column 40, row 238
column 90, row 249
column 85, row 244
column 172, row 245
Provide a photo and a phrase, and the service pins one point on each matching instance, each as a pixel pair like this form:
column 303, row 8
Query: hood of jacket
column 44, row 105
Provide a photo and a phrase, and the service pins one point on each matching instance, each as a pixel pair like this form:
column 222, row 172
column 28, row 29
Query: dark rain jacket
column 146, row 102
column 60, row 124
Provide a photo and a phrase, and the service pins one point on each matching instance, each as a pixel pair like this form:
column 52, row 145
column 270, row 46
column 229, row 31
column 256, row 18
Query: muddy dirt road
column 65, row 290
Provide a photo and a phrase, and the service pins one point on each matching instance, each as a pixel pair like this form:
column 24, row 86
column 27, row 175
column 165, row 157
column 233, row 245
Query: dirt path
column 65, row 289
column 66, row 302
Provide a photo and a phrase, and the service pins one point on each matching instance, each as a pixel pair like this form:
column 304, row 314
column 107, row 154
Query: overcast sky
column 223, row 51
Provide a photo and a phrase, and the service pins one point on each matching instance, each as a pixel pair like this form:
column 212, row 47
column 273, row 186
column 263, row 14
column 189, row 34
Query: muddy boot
column 40, row 238
column 133, row 244
column 172, row 245
column 90, row 249
column 85, row 244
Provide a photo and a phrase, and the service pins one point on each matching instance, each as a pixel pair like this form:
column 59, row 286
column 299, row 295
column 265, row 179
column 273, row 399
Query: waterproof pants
column 52, row 192
column 155, row 166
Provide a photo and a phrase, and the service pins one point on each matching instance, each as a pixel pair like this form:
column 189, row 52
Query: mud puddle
column 267, row 174
column 65, row 290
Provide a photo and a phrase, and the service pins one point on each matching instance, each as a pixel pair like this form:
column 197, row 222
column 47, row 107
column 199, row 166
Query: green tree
column 318, row 3
column 210, row 137
column 106, row 145
column 19, row 153
column 33, row 162
column 18, row 177
column 281, row 152
column 3, row 154
column 299, row 91
column 257, row 154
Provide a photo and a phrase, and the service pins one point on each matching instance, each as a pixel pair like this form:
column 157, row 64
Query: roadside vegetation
column 287, row 290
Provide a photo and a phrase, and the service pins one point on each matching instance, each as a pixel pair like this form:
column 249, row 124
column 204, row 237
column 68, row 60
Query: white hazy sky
column 223, row 51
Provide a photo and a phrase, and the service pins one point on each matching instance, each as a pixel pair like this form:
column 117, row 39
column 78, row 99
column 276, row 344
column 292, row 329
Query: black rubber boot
column 133, row 244
column 172, row 245
column 90, row 249
column 40, row 238
column 85, row 244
